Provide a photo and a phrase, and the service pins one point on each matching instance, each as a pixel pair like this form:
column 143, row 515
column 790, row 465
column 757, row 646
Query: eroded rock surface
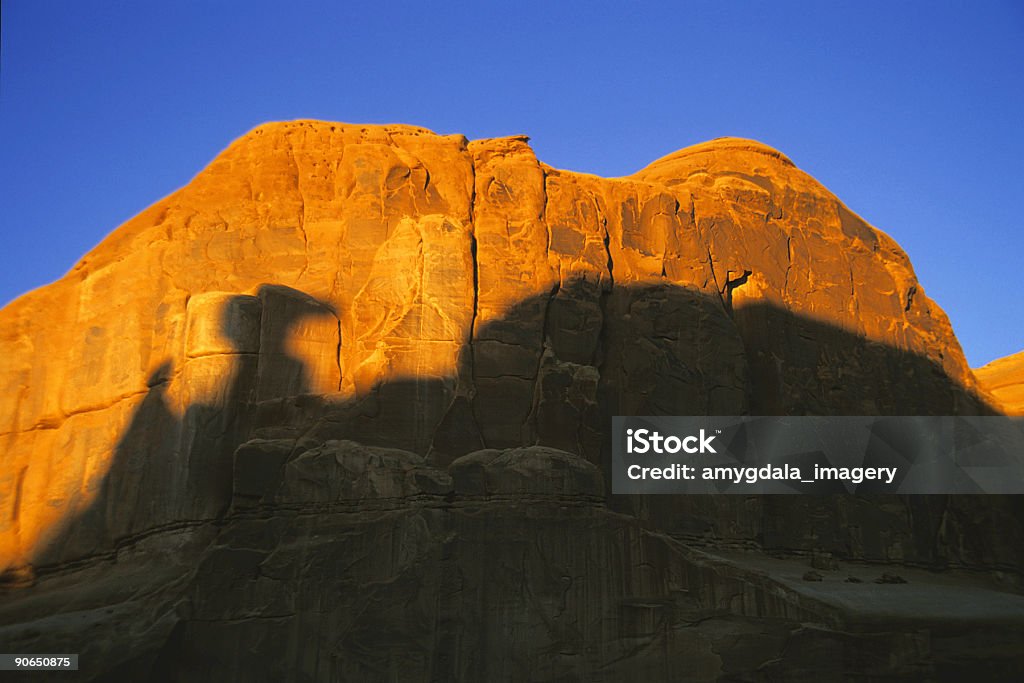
column 339, row 409
column 1004, row 380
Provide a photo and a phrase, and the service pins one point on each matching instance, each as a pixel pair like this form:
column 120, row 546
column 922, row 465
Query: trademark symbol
column 718, row 431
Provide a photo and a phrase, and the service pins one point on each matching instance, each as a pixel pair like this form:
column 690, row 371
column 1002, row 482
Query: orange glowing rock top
column 1004, row 379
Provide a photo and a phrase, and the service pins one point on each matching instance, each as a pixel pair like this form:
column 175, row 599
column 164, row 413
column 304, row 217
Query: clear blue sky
column 911, row 112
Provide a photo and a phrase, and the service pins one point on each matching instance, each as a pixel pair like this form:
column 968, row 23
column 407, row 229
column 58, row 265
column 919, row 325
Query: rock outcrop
column 340, row 407
column 1004, row 380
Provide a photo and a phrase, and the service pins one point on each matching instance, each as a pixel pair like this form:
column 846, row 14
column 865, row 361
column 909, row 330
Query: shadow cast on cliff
column 552, row 371
column 171, row 467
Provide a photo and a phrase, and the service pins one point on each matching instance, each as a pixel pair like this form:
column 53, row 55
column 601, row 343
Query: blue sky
column 911, row 112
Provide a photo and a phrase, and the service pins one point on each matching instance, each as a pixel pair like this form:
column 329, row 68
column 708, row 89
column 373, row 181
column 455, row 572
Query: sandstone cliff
column 374, row 366
column 1004, row 380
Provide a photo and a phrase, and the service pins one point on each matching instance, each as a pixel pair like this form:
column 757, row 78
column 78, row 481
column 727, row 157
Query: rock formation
column 339, row 409
column 1004, row 380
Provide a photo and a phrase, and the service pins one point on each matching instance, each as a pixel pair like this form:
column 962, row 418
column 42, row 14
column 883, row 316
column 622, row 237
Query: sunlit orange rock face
column 463, row 294
column 1004, row 380
column 341, row 405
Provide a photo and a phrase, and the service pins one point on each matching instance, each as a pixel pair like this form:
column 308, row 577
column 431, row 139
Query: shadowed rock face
column 340, row 406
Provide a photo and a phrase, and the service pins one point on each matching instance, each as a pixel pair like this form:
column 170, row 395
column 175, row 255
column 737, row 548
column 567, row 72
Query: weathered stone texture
column 339, row 409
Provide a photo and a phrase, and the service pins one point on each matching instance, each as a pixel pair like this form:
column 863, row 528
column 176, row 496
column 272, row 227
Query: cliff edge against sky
column 325, row 295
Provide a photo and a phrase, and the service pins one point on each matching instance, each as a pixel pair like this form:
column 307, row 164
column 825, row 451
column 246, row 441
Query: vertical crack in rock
column 789, row 266
column 337, row 355
column 16, row 503
column 910, row 297
column 469, row 353
column 544, row 210
column 607, row 241
column 302, row 209
column 547, row 226
column 529, row 425
column 671, row 237
column 706, row 239
column 476, row 269
column 600, row 352
column 849, row 271
column 719, row 287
